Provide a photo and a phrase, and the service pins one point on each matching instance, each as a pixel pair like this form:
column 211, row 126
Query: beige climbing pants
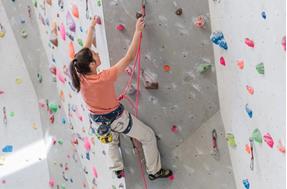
column 143, row 134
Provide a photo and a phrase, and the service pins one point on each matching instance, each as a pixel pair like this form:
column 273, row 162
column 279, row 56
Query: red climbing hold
column 250, row 89
column 98, row 20
column 284, row 43
column 174, row 129
column 222, row 61
column 249, row 42
column 120, row 27
column 269, row 140
column 199, row 21
column 166, row 68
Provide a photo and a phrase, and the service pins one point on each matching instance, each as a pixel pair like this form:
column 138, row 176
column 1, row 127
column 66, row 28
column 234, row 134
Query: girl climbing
column 98, row 92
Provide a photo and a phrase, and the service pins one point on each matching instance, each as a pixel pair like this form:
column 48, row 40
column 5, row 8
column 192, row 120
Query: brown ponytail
column 80, row 65
column 74, row 75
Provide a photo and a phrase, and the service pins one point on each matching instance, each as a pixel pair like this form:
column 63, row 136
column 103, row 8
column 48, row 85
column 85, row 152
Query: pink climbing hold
column 269, row 140
column 174, row 129
column 52, row 182
column 63, row 32
column 222, row 61
column 240, row 64
column 70, row 22
column 98, row 20
column 250, row 89
column 199, row 21
column 120, row 27
column 249, row 42
column 1, row 92
column 284, row 43
column 171, row 178
column 281, row 148
column 87, row 144
column 60, row 76
column 95, row 174
column 54, row 141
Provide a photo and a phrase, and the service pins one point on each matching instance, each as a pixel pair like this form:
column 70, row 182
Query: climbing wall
column 183, row 111
column 44, row 151
column 251, row 84
column 176, row 54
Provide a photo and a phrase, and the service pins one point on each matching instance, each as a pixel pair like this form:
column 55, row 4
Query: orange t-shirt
column 98, row 91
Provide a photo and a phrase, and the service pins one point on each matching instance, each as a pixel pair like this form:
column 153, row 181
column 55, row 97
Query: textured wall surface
column 239, row 83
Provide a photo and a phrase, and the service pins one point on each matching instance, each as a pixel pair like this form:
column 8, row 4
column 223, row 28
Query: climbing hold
column 35, row 3
column 51, row 182
column 120, row 27
column 247, row 148
column 281, row 147
column 98, row 20
column 249, row 42
column 260, row 68
column 40, row 78
column 95, row 173
column 283, row 42
column 199, row 21
column 99, row 3
column 231, row 140
column 34, row 126
column 53, row 107
column 63, row 120
column 49, row 2
column 179, row 12
column 149, row 79
column 60, row 141
column 7, row 149
column 60, row 76
column 171, row 178
column 166, row 68
column 53, row 70
column 240, row 64
column 87, row 144
column 75, row 11
column 202, row 68
column 1, row 92
column 256, row 135
column 248, row 111
column 174, row 129
column 218, row 39
column 63, row 32
column 18, row 81
column 80, row 42
column 138, row 15
column 246, row 183
column 71, row 50
column 24, row 33
column 269, row 140
column 250, row 89
column 53, row 37
column 263, row 14
column 222, row 61
column 132, row 90
column 12, row 114
column 70, row 22
column 2, row 32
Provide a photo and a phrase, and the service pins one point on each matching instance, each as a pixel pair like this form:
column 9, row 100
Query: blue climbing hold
column 218, row 39
column 263, row 14
column 63, row 120
column 223, row 44
column 88, row 156
column 8, row 148
column 248, row 111
column 246, row 183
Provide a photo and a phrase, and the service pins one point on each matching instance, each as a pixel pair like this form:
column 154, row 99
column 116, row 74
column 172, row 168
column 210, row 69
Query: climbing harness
column 251, row 153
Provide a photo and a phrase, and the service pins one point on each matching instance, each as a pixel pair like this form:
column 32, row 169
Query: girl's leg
column 114, row 156
column 146, row 136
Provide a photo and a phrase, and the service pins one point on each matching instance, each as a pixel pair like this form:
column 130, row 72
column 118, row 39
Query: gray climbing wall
column 185, row 100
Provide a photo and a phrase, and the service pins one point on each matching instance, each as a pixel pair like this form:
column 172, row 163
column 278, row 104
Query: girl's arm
column 131, row 53
column 90, row 37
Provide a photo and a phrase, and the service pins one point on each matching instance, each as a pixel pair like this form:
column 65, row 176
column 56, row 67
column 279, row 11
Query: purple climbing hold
column 70, row 22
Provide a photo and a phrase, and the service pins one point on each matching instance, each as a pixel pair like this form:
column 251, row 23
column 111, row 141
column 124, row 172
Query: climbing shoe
column 162, row 173
column 120, row 173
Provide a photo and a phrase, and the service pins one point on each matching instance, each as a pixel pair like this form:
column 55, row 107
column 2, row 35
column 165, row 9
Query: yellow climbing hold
column 34, row 126
column 2, row 160
column 18, row 81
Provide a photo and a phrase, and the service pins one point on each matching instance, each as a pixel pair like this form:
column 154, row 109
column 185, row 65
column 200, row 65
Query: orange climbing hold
column 49, row 2
column 240, row 64
column 71, row 50
column 75, row 11
column 250, row 89
column 247, row 148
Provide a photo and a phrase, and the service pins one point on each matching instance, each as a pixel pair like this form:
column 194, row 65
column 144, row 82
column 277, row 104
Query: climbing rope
column 137, row 63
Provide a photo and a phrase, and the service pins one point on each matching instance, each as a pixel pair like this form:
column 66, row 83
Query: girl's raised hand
column 140, row 24
column 94, row 21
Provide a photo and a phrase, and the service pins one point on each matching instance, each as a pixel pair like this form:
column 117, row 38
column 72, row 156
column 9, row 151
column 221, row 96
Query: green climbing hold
column 256, row 135
column 35, row 3
column 40, row 78
column 53, row 107
column 260, row 68
column 114, row 187
column 230, row 140
column 80, row 41
column 24, row 33
column 12, row 114
column 202, row 68
column 99, row 3
column 60, row 141
column 63, row 186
